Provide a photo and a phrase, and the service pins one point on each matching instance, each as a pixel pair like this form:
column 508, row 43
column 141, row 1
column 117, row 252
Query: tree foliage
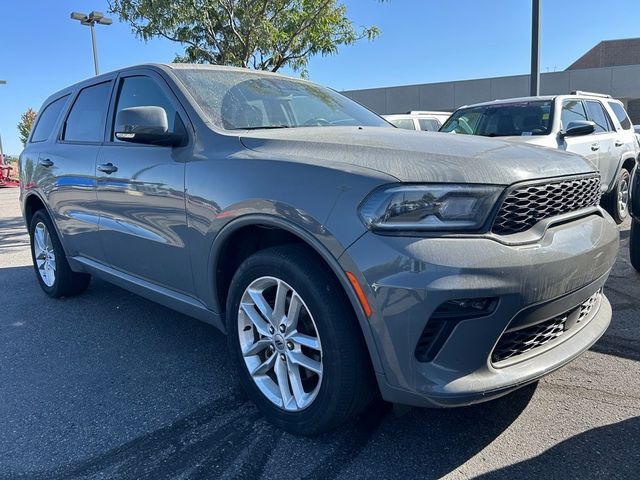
column 25, row 124
column 261, row 34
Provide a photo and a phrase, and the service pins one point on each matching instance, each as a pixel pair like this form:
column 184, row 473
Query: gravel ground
column 109, row 385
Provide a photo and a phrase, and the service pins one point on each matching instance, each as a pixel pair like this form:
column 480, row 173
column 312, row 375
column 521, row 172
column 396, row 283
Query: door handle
column 595, row 147
column 46, row 162
column 108, row 168
column 619, row 143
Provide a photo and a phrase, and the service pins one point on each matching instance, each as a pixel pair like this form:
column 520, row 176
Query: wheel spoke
column 261, row 304
column 296, row 384
column 257, row 347
column 39, row 238
column 283, row 381
column 295, row 306
column 305, row 340
column 257, row 320
column 301, row 359
column 265, row 366
column 280, row 303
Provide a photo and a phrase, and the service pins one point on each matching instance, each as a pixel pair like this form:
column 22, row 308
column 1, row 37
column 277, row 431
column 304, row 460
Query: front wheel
column 617, row 201
column 50, row 262
column 296, row 341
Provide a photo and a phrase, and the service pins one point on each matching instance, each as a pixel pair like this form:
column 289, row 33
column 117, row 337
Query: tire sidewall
column 318, row 300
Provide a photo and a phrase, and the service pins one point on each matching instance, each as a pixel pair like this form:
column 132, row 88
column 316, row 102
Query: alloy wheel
column 44, row 254
column 280, row 343
column 623, row 196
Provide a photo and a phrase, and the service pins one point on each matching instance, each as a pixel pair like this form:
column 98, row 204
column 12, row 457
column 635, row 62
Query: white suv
column 593, row 125
column 418, row 120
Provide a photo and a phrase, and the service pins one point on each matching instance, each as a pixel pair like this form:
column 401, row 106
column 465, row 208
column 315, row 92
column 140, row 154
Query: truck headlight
column 429, row 207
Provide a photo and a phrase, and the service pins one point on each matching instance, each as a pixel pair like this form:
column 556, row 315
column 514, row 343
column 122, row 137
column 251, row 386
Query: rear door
column 609, row 152
column 71, row 158
column 573, row 110
column 140, row 190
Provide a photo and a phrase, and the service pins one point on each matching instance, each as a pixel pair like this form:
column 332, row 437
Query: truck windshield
column 245, row 100
column 504, row 119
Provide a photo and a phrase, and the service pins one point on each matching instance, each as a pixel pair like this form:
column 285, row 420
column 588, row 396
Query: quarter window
column 48, row 119
column 86, row 120
column 598, row 116
column 621, row 115
column 143, row 91
column 572, row 111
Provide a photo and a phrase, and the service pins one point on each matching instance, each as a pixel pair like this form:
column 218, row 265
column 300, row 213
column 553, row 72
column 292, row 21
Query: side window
column 86, row 120
column 572, row 111
column 621, row 115
column 429, row 124
column 598, row 116
column 48, row 119
column 405, row 123
column 143, row 91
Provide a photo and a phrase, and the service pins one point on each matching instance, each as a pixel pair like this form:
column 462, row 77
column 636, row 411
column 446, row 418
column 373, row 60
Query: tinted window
column 144, row 92
column 572, row 111
column 48, row 119
column 598, row 116
column 621, row 115
column 405, row 123
column 503, row 119
column 87, row 117
column 429, row 124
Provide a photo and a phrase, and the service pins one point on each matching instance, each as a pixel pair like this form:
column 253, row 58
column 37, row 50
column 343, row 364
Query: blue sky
column 42, row 50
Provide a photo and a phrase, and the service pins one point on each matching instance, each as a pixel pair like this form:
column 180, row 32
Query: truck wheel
column 617, row 201
column 50, row 262
column 296, row 342
column 634, row 244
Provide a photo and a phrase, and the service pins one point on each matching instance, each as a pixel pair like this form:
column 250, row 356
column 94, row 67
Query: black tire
column 347, row 386
column 67, row 282
column 634, row 244
column 610, row 201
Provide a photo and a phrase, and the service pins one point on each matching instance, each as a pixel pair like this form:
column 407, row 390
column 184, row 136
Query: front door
column 608, row 152
column 140, row 190
column 586, row 145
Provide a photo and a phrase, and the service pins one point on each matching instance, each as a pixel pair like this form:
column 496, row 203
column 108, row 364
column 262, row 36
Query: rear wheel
column 634, row 244
column 49, row 261
column 617, row 201
column 296, row 341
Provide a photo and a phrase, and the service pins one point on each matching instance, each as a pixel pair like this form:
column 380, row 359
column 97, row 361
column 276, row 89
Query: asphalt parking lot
column 109, row 385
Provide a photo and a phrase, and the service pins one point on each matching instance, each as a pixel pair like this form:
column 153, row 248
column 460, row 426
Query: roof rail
column 428, row 112
column 591, row 94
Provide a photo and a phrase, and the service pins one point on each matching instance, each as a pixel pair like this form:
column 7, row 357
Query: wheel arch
column 238, row 234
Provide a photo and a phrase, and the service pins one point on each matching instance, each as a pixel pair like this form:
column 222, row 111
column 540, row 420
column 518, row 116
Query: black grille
column 517, row 342
column 527, row 205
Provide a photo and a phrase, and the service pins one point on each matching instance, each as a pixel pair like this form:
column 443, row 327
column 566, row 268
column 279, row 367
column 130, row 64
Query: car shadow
column 611, row 451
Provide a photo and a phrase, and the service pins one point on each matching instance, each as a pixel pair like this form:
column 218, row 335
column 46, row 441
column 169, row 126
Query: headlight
column 430, row 207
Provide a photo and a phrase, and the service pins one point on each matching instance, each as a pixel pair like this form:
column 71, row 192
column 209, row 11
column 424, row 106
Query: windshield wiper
column 264, row 127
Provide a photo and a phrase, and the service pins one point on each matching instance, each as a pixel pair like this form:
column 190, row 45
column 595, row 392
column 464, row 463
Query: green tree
column 261, row 34
column 25, row 124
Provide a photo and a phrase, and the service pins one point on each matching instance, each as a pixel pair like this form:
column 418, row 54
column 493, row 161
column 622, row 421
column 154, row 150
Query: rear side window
column 572, row 111
column 86, row 120
column 621, row 115
column 405, row 123
column 598, row 116
column 48, row 119
column 429, row 124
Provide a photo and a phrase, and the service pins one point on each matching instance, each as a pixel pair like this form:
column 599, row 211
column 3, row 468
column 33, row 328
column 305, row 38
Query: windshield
column 237, row 100
column 504, row 119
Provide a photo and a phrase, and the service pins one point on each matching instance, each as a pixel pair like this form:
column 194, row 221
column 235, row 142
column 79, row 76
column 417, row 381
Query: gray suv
column 342, row 256
column 593, row 125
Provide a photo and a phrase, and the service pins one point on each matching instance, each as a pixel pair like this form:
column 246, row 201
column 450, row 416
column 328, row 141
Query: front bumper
column 408, row 278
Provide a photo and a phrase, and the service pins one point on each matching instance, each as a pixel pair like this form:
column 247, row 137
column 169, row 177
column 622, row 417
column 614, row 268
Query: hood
column 417, row 156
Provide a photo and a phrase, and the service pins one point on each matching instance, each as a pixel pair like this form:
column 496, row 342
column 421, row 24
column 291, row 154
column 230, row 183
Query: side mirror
column 579, row 127
column 147, row 125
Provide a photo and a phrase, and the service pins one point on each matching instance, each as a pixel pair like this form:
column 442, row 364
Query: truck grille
column 517, row 342
column 527, row 205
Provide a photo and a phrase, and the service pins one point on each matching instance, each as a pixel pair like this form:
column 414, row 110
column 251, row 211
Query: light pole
column 535, row 48
column 2, row 82
column 90, row 20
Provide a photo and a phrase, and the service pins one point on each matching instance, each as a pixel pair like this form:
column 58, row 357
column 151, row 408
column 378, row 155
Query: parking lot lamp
column 90, row 20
